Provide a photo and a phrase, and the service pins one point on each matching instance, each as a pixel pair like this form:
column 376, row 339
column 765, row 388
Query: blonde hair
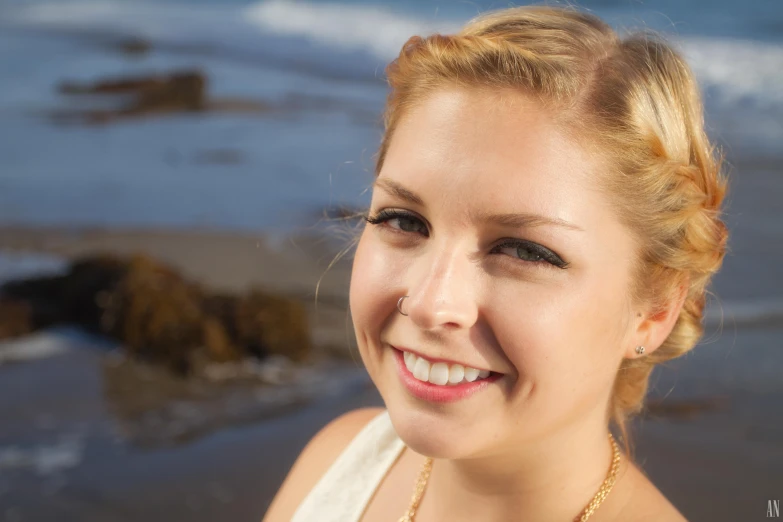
column 636, row 102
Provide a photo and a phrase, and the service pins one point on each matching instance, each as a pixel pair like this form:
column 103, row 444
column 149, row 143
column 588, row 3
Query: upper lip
column 437, row 359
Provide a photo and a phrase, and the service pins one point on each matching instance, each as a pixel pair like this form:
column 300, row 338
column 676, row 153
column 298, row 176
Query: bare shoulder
column 315, row 459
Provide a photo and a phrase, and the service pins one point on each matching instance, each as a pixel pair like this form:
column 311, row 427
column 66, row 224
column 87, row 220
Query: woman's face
column 513, row 263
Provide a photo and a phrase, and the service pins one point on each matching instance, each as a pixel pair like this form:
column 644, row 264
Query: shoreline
column 227, row 260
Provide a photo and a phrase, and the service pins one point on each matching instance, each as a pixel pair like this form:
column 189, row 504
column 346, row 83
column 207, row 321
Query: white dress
column 344, row 491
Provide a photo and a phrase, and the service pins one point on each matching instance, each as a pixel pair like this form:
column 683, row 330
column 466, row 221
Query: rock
column 221, row 309
column 180, row 88
column 268, row 324
column 16, row 318
column 219, row 346
column 86, row 290
column 42, row 296
column 157, row 314
column 263, row 324
column 180, row 91
column 187, row 91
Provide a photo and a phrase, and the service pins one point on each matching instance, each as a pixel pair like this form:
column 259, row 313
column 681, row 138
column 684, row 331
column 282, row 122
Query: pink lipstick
column 439, row 393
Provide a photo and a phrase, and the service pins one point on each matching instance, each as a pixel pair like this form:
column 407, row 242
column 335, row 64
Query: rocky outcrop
column 156, row 313
column 182, row 91
column 148, row 95
column 16, row 318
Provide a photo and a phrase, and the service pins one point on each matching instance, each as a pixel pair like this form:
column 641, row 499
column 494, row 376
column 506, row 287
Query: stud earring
column 399, row 305
column 640, row 350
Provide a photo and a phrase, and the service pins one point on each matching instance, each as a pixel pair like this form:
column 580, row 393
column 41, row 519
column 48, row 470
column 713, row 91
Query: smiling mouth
column 437, row 386
column 442, row 373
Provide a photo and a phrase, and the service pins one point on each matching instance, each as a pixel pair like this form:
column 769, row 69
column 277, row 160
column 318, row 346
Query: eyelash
column 546, row 256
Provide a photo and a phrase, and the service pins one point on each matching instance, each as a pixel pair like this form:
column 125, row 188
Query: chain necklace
column 606, row 487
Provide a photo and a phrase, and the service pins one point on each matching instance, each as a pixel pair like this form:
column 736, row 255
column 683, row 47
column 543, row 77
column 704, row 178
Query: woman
column 544, row 221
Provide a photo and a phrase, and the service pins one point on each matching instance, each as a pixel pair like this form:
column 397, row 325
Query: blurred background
column 173, row 176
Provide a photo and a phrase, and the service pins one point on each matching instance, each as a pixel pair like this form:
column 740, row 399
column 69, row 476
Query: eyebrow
column 398, row 191
column 519, row 220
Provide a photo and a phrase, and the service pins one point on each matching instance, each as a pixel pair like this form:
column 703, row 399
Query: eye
column 406, row 221
column 530, row 252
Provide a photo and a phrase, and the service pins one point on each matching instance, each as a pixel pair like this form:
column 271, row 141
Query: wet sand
column 229, row 261
column 65, row 453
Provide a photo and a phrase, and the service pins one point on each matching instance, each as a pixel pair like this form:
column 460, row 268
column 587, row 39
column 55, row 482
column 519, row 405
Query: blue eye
column 407, row 221
column 524, row 251
column 531, row 252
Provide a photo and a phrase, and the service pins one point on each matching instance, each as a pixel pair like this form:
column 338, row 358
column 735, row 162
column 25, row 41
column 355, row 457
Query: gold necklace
column 606, row 487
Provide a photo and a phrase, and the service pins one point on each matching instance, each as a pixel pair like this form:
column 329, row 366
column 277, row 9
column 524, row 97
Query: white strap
column 344, row 491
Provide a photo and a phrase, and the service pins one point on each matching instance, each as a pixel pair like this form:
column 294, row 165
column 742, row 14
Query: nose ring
column 399, row 305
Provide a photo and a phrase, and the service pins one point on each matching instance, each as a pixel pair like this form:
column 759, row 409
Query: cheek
column 562, row 339
column 374, row 286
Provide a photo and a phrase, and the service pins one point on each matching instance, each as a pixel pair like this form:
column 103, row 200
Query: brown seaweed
column 156, row 313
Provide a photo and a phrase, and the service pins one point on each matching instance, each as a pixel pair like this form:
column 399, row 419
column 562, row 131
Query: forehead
column 492, row 149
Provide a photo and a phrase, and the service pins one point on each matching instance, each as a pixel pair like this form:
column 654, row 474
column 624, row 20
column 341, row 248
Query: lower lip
column 439, row 393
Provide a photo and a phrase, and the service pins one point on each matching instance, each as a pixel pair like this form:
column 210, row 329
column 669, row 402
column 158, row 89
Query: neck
column 552, row 479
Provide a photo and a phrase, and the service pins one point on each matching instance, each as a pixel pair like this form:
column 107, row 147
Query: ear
column 653, row 327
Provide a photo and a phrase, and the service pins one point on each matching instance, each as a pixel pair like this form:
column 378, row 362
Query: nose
column 443, row 296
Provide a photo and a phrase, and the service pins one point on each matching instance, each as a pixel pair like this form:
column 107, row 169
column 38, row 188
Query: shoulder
column 315, row 459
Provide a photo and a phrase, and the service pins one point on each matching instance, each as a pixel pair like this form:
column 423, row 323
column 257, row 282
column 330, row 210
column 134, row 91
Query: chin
column 424, row 434
column 431, row 431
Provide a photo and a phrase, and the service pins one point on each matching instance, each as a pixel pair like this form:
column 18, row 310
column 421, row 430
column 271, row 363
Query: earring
column 399, row 305
column 640, row 350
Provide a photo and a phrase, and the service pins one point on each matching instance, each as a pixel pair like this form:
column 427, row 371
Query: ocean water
column 147, row 173
column 321, row 65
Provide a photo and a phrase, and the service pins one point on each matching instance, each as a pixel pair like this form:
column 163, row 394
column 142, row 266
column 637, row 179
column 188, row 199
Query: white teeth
column 441, row 373
column 456, row 373
column 471, row 374
column 410, row 360
column 421, row 370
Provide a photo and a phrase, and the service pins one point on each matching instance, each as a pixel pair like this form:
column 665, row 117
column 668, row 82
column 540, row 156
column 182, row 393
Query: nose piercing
column 399, row 304
column 640, row 350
